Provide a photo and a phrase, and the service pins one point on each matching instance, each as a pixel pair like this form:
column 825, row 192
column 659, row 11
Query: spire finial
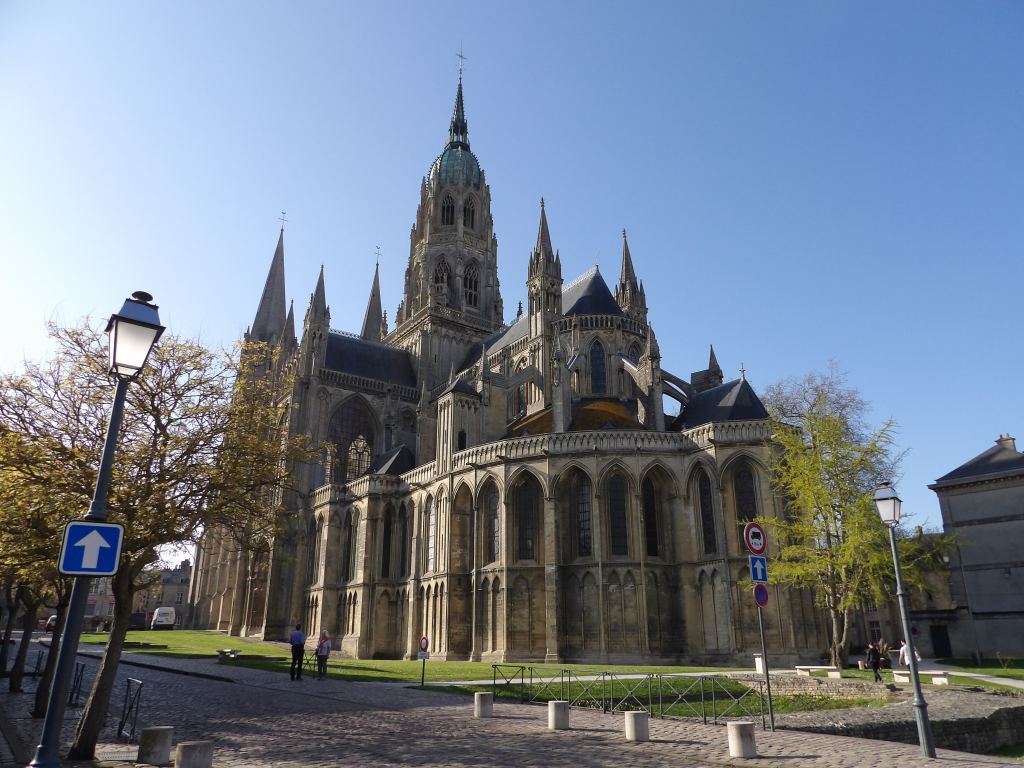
column 282, row 219
column 542, row 202
column 623, row 233
column 743, row 373
column 462, row 61
column 378, row 255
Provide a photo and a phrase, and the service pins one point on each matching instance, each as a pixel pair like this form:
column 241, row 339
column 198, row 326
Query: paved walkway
column 260, row 719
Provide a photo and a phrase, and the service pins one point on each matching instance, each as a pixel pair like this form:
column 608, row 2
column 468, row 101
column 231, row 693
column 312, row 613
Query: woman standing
column 323, row 651
column 875, row 661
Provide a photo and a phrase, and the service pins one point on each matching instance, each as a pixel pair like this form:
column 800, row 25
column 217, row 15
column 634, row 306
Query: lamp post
column 133, row 332
column 888, row 505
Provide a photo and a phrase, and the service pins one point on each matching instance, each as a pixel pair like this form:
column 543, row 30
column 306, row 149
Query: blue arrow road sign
column 90, row 549
column 759, row 569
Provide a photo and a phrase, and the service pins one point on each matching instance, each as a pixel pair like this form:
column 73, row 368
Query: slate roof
column 589, row 295
column 461, row 387
column 394, row 462
column 350, row 354
column 998, row 460
column 732, row 401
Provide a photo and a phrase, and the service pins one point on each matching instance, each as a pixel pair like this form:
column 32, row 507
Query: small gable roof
column 999, row 460
column 394, row 462
column 588, row 294
column 733, row 401
column 372, row 360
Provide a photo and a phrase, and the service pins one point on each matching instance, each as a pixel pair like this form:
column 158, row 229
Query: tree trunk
column 12, row 609
column 43, row 688
column 94, row 716
column 28, row 623
column 838, row 637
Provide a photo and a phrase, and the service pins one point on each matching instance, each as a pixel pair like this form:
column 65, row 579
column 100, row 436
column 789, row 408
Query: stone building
column 169, row 590
column 982, row 503
column 513, row 491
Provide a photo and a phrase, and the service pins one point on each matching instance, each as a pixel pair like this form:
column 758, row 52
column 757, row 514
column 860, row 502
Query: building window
column 385, row 555
column 471, row 285
column 650, row 502
column 447, row 211
column 351, row 422
column 746, row 496
column 403, row 527
column 469, row 214
column 442, row 273
column 707, row 512
column 178, row 598
column 598, row 385
column 431, row 535
column 617, row 515
column 875, row 630
column 584, row 534
column 462, row 440
column 493, row 525
column 526, row 520
column 358, row 460
column 353, row 543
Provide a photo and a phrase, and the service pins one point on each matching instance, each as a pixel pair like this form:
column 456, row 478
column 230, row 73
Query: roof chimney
column 1007, row 441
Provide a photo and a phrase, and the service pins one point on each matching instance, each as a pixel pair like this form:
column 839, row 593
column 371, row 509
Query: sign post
column 424, row 655
column 757, row 543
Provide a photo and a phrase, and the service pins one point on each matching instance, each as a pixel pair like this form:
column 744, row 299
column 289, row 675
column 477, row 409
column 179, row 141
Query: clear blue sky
column 801, row 181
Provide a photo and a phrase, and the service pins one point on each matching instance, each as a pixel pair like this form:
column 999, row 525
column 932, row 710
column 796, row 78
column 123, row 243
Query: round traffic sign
column 761, row 595
column 424, row 643
column 755, row 538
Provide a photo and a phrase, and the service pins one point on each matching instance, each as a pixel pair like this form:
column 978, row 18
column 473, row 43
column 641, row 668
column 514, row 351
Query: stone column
column 552, row 580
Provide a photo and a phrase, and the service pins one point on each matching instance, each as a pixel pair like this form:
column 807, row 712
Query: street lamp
column 888, row 505
column 133, row 332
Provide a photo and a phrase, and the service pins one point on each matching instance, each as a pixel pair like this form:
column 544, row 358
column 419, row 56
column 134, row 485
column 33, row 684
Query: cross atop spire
column 373, row 319
column 282, row 219
column 462, row 61
column 458, row 131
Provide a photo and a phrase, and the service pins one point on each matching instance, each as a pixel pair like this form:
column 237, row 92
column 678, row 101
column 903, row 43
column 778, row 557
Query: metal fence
column 126, row 728
column 76, row 684
column 710, row 698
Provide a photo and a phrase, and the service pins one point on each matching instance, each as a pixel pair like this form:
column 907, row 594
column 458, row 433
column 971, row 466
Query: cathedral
column 512, row 491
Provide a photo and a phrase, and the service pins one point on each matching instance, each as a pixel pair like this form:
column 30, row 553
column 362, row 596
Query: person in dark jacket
column 875, row 661
column 298, row 642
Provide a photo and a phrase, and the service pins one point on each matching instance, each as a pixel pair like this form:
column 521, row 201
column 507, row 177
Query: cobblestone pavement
column 264, row 720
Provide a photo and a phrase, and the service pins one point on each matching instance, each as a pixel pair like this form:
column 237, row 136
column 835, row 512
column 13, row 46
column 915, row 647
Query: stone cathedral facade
column 513, row 491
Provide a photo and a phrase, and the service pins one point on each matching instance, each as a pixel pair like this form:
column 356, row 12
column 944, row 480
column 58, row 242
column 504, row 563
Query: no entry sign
column 424, row 643
column 755, row 539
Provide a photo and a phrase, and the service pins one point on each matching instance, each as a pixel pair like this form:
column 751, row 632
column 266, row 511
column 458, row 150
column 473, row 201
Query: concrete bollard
column 558, row 715
column 741, row 739
column 155, row 745
column 637, row 726
column 483, row 704
column 194, row 754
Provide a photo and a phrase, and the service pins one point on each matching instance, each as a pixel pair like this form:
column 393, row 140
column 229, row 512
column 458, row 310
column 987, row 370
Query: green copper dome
column 457, row 165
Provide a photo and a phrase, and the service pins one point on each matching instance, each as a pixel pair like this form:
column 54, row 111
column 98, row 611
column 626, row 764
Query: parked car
column 51, row 624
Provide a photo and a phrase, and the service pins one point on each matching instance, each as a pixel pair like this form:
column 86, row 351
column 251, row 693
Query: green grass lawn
column 1014, row 667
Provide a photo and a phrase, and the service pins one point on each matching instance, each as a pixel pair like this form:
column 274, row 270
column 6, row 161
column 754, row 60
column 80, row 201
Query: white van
column 163, row 618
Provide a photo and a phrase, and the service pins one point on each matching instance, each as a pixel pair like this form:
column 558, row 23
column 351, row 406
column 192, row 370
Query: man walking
column 298, row 641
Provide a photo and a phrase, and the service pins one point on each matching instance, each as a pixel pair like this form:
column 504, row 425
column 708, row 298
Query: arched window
column 431, row 535
column 352, row 544
column 358, row 460
column 462, row 440
column 746, row 496
column 707, row 512
column 447, row 211
column 351, row 422
column 469, row 213
column 598, row 385
column 520, row 394
column 634, row 357
column 526, row 519
column 312, row 549
column 493, row 524
column 442, row 273
column 471, row 285
column 403, row 542
column 584, row 529
column 650, row 501
column 619, row 529
column 385, row 554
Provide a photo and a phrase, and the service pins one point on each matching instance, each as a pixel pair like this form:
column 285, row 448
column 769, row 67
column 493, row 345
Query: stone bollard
column 741, row 739
column 483, row 704
column 194, row 754
column 558, row 715
column 155, row 745
column 637, row 728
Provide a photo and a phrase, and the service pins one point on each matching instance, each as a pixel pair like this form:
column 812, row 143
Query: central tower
column 451, row 299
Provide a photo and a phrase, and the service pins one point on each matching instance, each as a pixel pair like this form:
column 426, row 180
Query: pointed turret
column 317, row 312
column 289, row 328
column 543, row 247
column 629, row 294
column 712, row 376
column 270, row 317
column 544, row 281
column 372, row 321
column 458, row 131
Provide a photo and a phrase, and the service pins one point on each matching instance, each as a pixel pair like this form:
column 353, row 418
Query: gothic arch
column 574, row 492
column 657, row 488
column 489, row 522
column 469, row 212
column 518, row 476
column 448, row 210
column 597, row 359
column 471, row 284
column 526, row 502
column 353, row 420
column 617, row 490
column 482, row 480
column 706, row 508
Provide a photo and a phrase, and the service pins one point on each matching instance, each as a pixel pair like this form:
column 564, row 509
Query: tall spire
column 713, row 362
column 458, row 131
column 270, row 316
column 543, row 236
column 372, row 320
column 626, row 275
column 317, row 311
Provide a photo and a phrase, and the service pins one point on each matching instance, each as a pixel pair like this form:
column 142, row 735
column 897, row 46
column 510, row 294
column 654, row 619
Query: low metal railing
column 126, row 728
column 710, row 698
